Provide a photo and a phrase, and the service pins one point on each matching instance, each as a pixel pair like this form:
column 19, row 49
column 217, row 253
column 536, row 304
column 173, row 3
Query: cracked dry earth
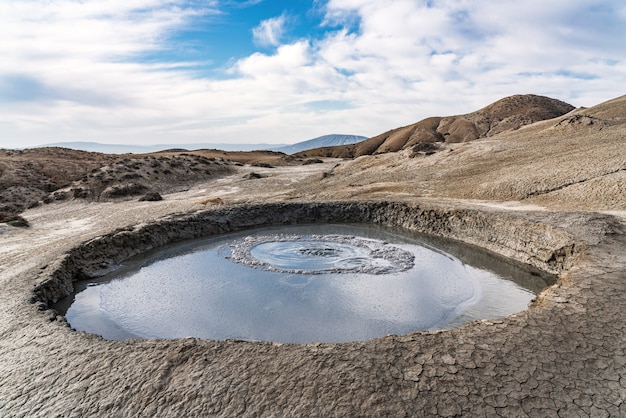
column 563, row 357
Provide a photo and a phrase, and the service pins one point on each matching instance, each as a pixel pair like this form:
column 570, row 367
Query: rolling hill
column 506, row 114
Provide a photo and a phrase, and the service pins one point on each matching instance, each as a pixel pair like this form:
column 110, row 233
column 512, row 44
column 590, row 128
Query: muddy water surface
column 297, row 284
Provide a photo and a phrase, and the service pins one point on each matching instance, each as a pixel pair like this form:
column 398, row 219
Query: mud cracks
column 565, row 356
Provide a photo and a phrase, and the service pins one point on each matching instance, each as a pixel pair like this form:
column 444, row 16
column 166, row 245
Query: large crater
column 299, row 284
column 538, row 245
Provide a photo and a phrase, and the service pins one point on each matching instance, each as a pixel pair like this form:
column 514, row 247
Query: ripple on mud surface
column 319, row 254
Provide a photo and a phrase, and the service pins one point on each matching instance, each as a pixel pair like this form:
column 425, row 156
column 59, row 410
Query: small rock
column 13, row 220
column 312, row 161
column 151, row 197
column 253, row 175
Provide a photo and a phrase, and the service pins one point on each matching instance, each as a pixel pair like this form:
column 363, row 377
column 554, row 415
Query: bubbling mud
column 320, row 254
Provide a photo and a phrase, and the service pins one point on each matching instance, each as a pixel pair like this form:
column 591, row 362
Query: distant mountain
column 506, row 114
column 322, row 141
column 142, row 149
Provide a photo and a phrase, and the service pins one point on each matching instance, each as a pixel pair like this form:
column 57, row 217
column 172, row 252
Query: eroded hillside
column 506, row 114
column 576, row 161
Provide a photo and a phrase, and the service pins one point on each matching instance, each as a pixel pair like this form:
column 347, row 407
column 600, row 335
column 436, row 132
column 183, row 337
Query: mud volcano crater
column 544, row 249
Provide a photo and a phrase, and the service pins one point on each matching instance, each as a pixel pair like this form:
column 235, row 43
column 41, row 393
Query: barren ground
column 565, row 356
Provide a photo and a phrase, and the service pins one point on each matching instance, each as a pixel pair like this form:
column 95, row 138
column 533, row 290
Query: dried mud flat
column 561, row 208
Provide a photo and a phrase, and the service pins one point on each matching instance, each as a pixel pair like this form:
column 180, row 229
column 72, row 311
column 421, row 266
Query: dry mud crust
column 565, row 356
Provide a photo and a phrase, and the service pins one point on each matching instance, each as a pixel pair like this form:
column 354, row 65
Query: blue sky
column 261, row 71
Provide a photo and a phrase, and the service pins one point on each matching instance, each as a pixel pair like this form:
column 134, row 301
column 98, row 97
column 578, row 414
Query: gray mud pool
column 298, row 284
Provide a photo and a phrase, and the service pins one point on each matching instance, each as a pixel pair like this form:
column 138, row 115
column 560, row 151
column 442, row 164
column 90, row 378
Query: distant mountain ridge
column 144, row 149
column 322, row 141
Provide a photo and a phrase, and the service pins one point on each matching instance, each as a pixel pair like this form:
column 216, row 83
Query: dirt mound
column 30, row 177
column 131, row 177
column 506, row 114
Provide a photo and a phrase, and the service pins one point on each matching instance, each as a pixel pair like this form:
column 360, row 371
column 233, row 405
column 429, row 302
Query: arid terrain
column 44, row 175
column 528, row 177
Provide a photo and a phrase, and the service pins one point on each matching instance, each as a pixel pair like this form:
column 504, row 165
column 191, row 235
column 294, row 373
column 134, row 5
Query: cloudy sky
column 270, row 71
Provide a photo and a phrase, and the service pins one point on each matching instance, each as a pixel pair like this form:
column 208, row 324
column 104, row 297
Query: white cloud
column 487, row 46
column 270, row 31
column 73, row 71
